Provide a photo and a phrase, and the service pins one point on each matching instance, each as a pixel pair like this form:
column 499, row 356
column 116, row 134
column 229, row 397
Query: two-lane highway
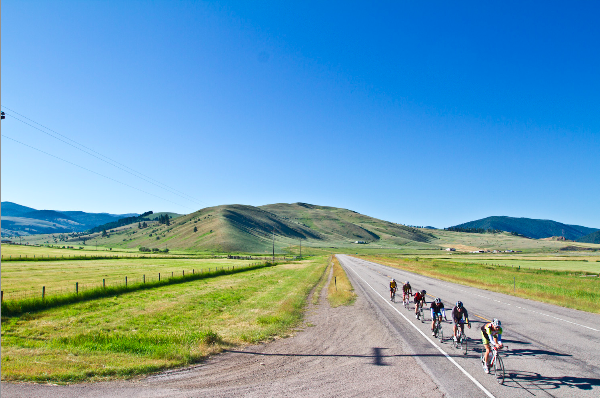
column 553, row 351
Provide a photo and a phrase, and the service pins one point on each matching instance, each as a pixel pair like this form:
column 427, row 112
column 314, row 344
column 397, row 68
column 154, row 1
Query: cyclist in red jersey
column 419, row 301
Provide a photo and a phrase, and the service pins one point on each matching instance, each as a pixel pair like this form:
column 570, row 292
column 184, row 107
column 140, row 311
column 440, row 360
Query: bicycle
column 420, row 313
column 393, row 295
column 437, row 329
column 461, row 340
column 406, row 301
column 496, row 364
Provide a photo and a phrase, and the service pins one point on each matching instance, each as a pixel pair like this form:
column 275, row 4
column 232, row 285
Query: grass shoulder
column 340, row 290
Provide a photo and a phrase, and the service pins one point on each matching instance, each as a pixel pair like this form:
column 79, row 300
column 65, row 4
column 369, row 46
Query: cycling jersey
column 392, row 285
column 487, row 333
column 437, row 309
column 407, row 288
column 419, row 297
column 457, row 316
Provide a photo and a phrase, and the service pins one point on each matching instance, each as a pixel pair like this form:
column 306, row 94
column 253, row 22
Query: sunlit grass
column 150, row 330
column 340, row 290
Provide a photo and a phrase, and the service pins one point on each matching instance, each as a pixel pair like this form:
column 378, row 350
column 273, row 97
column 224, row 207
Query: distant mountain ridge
column 530, row 227
column 23, row 220
column 594, row 237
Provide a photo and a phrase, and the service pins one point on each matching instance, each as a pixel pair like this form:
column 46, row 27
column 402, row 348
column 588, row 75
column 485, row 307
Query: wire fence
column 126, row 281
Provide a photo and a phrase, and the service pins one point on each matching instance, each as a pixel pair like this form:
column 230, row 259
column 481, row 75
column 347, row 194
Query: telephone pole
column 273, row 245
column 300, row 248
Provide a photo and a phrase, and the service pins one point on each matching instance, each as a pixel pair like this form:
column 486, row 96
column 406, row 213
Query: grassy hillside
column 532, row 228
column 319, row 229
column 249, row 229
column 594, row 237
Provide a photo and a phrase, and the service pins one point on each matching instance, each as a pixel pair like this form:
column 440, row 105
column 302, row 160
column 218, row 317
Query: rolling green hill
column 532, row 228
column 250, row 229
column 594, row 237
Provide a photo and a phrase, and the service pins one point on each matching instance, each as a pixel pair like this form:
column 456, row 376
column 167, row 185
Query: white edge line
column 489, row 394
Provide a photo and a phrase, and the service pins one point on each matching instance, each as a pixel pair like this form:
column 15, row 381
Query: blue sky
column 419, row 113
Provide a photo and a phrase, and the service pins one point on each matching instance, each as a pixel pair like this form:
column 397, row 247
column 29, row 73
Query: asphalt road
column 552, row 351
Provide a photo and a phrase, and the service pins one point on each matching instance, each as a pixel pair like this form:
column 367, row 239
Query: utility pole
column 273, row 245
column 300, row 247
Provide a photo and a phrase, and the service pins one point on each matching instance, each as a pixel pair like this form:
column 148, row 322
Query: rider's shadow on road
column 526, row 352
column 538, row 382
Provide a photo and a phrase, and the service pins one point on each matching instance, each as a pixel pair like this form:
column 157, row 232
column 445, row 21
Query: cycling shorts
column 459, row 322
column 437, row 314
column 417, row 300
column 485, row 338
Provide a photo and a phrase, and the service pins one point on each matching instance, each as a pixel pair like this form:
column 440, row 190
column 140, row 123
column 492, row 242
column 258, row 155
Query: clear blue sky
column 424, row 113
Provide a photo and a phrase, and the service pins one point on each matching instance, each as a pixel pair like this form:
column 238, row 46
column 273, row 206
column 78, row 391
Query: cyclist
column 489, row 331
column 419, row 301
column 393, row 286
column 407, row 291
column 460, row 316
column 437, row 310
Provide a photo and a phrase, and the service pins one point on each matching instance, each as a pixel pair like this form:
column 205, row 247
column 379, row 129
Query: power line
column 92, row 171
column 102, row 157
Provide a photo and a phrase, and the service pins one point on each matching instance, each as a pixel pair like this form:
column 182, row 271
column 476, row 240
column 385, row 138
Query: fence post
column 193, row 271
column 43, row 292
column 76, row 287
column 144, row 278
column 2, row 296
column 159, row 276
column 171, row 274
column 125, row 281
column 103, row 283
column 183, row 273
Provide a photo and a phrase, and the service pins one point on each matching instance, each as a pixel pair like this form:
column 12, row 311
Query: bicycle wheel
column 422, row 316
column 499, row 370
column 440, row 333
column 464, row 343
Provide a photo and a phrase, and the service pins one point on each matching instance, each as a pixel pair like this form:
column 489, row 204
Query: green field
column 61, row 276
column 591, row 266
column 150, row 330
column 564, row 288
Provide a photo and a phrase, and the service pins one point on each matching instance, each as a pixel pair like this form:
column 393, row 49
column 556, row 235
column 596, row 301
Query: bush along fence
column 18, row 303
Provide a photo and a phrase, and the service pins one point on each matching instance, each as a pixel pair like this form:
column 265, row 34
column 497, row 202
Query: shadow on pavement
column 537, row 381
column 529, row 352
column 377, row 356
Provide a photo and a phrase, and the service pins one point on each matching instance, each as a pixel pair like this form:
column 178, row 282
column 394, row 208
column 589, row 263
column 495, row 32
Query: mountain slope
column 14, row 210
column 594, row 237
column 243, row 228
column 23, row 220
column 530, row 227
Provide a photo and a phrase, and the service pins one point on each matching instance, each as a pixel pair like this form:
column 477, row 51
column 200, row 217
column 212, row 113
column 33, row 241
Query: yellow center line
column 480, row 317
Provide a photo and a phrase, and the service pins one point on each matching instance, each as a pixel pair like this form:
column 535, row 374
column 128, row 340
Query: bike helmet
column 496, row 323
column 459, row 304
column 423, row 292
column 393, row 280
column 407, row 282
column 438, row 300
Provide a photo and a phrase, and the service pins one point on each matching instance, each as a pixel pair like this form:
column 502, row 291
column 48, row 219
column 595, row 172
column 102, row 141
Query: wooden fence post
column 144, row 278
column 159, row 276
column 76, row 287
column 2, row 296
column 103, row 283
column 183, row 273
column 43, row 292
column 125, row 281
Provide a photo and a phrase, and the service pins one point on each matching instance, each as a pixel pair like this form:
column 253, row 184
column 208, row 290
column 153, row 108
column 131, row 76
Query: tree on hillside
column 104, row 234
column 195, row 229
column 139, row 225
